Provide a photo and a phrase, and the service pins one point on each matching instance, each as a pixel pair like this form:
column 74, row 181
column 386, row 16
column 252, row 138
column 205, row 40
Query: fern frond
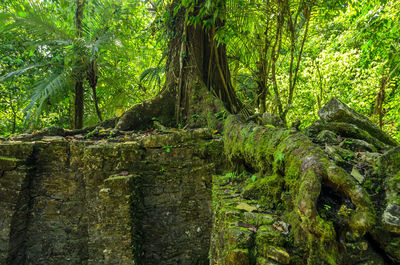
column 152, row 75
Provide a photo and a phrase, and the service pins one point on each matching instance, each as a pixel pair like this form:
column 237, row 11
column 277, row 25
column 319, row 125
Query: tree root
column 141, row 115
column 305, row 168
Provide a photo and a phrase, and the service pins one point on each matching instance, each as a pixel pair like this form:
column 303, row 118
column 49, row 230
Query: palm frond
column 43, row 90
column 152, row 75
column 35, row 19
column 20, row 71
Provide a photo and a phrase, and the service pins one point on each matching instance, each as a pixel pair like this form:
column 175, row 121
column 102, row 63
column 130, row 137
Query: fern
column 152, row 75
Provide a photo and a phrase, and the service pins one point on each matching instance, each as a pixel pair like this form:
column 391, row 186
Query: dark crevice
column 68, row 150
column 378, row 249
column 330, row 201
column 22, row 215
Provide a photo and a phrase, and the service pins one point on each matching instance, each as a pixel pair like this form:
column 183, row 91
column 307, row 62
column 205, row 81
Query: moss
column 119, row 177
column 345, row 130
column 268, row 235
column 275, row 253
column 295, row 169
column 267, row 190
column 211, row 149
column 239, row 237
column 237, row 257
column 11, row 159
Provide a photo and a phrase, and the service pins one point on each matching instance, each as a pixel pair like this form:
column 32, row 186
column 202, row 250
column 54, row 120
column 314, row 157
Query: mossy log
column 305, row 169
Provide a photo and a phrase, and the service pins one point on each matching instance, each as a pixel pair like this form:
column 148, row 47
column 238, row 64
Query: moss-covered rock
column 348, row 130
column 327, row 137
column 336, row 111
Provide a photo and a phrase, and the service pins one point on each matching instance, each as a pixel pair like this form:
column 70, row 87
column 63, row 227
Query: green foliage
column 40, row 47
column 220, row 115
column 167, row 148
column 352, row 52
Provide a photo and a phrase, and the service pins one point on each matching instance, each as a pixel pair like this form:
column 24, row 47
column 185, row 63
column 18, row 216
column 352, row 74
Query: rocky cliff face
column 83, row 202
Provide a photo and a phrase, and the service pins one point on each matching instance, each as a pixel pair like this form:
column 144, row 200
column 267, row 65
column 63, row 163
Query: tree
column 195, row 65
column 78, row 75
column 71, row 49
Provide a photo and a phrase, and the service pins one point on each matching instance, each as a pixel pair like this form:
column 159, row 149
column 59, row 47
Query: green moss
column 267, row 190
column 295, row 170
column 237, row 257
column 119, row 177
column 211, row 149
column 5, row 158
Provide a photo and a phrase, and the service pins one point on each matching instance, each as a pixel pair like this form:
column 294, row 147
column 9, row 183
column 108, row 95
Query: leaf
column 18, row 72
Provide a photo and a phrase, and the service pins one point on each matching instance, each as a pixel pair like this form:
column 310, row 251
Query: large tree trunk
column 196, row 66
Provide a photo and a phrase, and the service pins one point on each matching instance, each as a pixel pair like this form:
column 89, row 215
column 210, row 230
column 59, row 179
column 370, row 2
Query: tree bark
column 196, row 67
column 78, row 124
column 92, row 77
column 79, row 91
column 199, row 55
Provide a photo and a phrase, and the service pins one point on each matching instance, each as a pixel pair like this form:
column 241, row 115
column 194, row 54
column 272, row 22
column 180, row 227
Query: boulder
column 391, row 218
column 326, row 136
column 271, row 119
column 337, row 111
column 389, row 165
column 357, row 145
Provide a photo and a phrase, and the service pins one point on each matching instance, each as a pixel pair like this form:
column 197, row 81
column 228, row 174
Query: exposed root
column 305, row 168
column 140, row 116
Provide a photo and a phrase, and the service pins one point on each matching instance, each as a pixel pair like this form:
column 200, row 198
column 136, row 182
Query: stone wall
column 66, row 201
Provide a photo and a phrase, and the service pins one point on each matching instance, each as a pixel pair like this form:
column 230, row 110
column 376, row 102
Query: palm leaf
column 43, row 90
column 34, row 18
column 18, row 72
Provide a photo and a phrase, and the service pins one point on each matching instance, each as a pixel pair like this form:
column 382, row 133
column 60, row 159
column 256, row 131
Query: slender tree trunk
column 92, row 77
column 79, row 91
column 14, row 113
column 78, row 104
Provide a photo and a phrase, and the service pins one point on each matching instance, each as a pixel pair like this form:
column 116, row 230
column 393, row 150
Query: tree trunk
column 196, row 66
column 79, row 97
column 195, row 58
column 78, row 124
column 92, row 77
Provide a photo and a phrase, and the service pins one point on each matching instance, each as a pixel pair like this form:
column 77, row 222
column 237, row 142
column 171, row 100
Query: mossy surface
column 293, row 170
column 245, row 234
